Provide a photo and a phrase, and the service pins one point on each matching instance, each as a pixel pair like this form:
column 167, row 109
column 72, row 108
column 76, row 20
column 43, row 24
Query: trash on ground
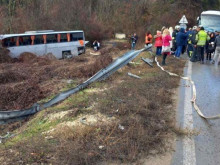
column 133, row 75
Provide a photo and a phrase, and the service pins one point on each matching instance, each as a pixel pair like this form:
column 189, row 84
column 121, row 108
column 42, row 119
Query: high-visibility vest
column 202, row 37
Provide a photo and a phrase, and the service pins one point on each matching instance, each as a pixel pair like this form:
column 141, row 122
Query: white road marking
column 189, row 154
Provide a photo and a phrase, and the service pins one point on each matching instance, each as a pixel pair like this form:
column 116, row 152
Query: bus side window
column 77, row 36
column 51, row 38
column 39, row 39
column 21, row 40
column 63, row 37
column 12, row 41
column 74, row 37
column 26, row 40
column 5, row 42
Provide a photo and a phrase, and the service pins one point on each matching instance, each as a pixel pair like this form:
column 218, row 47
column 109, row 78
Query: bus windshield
column 211, row 21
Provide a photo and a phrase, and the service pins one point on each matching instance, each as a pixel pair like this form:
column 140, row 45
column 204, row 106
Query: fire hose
column 193, row 100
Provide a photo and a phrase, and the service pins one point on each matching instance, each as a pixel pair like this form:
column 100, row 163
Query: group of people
column 196, row 41
column 162, row 42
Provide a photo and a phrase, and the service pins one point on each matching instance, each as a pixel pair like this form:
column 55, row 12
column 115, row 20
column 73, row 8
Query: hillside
column 100, row 19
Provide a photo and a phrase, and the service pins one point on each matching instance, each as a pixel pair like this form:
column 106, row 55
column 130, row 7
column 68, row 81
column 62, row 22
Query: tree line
column 99, row 19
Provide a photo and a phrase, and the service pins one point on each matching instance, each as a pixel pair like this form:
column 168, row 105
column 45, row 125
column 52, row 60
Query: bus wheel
column 66, row 54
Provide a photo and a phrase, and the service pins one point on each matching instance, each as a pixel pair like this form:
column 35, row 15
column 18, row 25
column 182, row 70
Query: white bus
column 210, row 20
column 62, row 44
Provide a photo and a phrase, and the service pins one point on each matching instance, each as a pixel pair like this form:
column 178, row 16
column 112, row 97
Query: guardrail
column 6, row 116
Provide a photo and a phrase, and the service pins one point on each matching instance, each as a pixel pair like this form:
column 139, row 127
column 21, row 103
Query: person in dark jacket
column 216, row 58
column 134, row 40
column 189, row 43
column 180, row 41
column 210, row 47
column 193, row 41
column 177, row 28
column 96, row 45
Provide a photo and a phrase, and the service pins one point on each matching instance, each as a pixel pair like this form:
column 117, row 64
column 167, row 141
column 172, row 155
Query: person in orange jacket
column 148, row 38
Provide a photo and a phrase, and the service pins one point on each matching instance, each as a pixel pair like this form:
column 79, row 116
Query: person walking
column 134, row 40
column 210, row 47
column 192, row 40
column 202, row 37
column 180, row 41
column 148, row 38
column 166, row 49
column 158, row 43
column 216, row 58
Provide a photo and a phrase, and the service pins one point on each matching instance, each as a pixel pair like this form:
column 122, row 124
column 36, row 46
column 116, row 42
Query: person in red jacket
column 158, row 43
column 166, row 49
column 148, row 38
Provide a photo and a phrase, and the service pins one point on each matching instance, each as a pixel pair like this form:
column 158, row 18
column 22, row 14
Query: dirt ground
column 120, row 120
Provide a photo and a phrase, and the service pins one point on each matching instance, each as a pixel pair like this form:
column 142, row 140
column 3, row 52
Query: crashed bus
column 62, row 44
column 210, row 20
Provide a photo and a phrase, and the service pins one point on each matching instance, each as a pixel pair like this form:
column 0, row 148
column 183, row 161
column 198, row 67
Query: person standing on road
column 134, row 40
column 171, row 33
column 189, row 43
column 202, row 37
column 166, row 49
column 181, row 41
column 210, row 47
column 177, row 28
column 158, row 43
column 194, row 43
column 148, row 38
column 216, row 58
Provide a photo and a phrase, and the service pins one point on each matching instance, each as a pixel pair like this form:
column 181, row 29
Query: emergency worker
column 189, row 43
column 192, row 40
column 202, row 37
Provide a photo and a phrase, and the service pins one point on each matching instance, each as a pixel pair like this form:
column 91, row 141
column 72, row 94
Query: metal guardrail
column 6, row 116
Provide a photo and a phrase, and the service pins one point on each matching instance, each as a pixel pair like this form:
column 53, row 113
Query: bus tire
column 66, row 54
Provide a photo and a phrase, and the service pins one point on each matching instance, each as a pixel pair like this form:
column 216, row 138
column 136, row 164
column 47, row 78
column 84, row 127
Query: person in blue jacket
column 189, row 42
column 181, row 40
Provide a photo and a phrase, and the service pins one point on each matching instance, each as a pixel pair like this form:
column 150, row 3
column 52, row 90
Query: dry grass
column 32, row 78
column 144, row 113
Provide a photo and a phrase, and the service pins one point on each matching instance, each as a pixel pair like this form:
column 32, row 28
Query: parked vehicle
column 62, row 44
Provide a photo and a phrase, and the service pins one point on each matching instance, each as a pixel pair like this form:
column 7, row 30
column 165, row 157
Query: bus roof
column 211, row 12
column 30, row 33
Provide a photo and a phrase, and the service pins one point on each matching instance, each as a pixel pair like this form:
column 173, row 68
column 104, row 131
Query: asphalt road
column 203, row 148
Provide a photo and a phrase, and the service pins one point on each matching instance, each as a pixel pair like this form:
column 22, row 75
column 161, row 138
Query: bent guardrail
column 101, row 75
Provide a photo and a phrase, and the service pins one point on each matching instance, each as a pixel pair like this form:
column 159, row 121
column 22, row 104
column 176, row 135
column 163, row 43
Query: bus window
column 5, row 42
column 21, row 40
column 12, row 41
column 38, row 39
column 26, row 40
column 76, row 36
column 51, row 38
column 63, row 37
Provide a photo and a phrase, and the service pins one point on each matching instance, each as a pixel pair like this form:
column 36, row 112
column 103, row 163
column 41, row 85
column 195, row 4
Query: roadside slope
column 120, row 119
